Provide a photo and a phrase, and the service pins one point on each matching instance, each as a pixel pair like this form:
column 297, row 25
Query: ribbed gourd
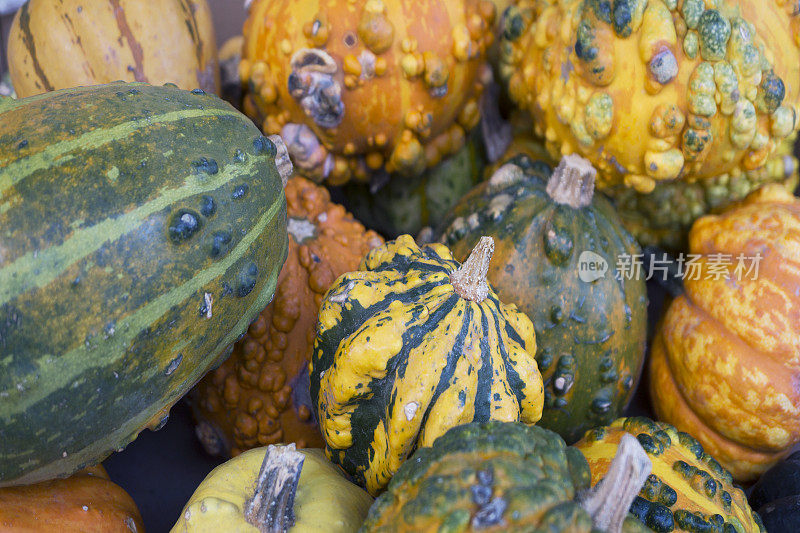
column 658, row 90
column 367, row 86
column 260, row 395
column 70, row 43
column 275, row 489
column 590, row 324
column 726, row 357
column 412, row 344
column 405, row 206
column 143, row 229
column 687, row 490
column 503, row 476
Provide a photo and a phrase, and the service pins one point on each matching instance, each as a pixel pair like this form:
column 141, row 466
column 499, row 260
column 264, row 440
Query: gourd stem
column 282, row 159
column 469, row 281
column 572, row 182
column 271, row 509
column 609, row 501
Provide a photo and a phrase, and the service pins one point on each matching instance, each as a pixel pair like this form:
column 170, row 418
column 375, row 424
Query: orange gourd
column 259, row 396
column 87, row 502
column 725, row 363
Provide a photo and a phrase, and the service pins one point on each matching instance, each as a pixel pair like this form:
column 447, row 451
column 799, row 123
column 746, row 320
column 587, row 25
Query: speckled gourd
column 71, row 43
column 259, row 395
column 590, row 330
column 366, row 86
column 687, row 490
column 410, row 345
column 659, row 90
column 725, row 361
column 503, row 476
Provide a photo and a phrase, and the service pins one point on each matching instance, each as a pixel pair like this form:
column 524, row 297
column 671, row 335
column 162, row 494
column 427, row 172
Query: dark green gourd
column 590, row 328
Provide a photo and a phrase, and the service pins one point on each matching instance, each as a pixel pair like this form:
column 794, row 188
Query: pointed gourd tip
column 282, row 160
column 271, row 508
column 469, row 280
column 572, row 182
column 609, row 501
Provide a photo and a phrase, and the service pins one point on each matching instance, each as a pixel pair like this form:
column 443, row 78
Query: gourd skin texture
column 406, row 206
column 325, row 502
column 393, row 84
column 74, row 43
column 687, row 490
column 259, row 395
column 86, row 502
column 400, row 358
column 528, row 471
column 726, row 358
column 142, row 253
column 659, row 90
column 590, row 336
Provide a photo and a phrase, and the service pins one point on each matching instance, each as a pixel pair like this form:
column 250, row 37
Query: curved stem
column 572, row 182
column 469, row 281
column 271, row 509
column 609, row 501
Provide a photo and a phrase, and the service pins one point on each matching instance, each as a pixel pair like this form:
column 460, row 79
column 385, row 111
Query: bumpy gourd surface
column 688, row 490
column 142, row 230
column 400, row 358
column 376, row 84
column 74, row 43
column 590, row 336
column 486, row 477
column 259, row 395
column 726, row 360
column 656, row 90
column 407, row 205
column 325, row 502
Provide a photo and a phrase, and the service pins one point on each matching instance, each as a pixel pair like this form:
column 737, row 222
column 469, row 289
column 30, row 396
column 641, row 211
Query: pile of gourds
column 462, row 346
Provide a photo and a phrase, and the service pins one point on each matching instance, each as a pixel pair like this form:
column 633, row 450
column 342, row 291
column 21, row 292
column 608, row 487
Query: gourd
column 86, row 502
column 664, row 216
column 687, row 490
column 412, row 344
column 590, row 326
column 143, row 230
column 726, row 357
column 55, row 46
column 660, row 90
column 504, row 476
column 407, row 205
column 362, row 87
column 259, row 395
column 276, row 488
column 776, row 495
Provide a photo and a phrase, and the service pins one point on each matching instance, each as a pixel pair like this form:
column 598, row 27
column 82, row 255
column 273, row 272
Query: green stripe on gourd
column 143, row 228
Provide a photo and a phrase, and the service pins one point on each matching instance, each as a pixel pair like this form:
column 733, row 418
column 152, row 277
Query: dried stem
column 572, row 182
column 469, row 281
column 610, row 500
column 271, row 509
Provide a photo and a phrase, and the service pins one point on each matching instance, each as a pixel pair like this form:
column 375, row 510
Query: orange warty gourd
column 358, row 87
column 725, row 361
column 70, row 43
column 658, row 90
column 260, row 395
column 86, row 502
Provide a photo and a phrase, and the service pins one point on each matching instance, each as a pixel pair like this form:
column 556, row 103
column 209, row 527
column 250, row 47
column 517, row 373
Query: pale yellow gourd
column 324, row 501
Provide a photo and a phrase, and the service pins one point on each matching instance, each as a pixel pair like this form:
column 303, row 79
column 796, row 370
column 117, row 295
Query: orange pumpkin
column 356, row 87
column 260, row 396
column 70, row 43
column 84, row 503
column 725, row 363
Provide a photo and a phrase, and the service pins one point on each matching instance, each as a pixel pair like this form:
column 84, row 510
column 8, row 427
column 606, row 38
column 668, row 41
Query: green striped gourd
column 141, row 230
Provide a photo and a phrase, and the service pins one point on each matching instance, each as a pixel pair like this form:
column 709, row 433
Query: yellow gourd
column 278, row 488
